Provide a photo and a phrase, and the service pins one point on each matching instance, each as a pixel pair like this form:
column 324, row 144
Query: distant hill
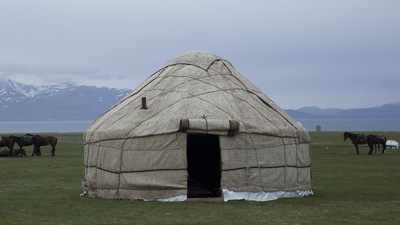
column 299, row 114
column 388, row 111
column 55, row 102
column 312, row 110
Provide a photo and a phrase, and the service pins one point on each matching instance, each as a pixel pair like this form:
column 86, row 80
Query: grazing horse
column 376, row 140
column 356, row 139
column 37, row 141
column 43, row 141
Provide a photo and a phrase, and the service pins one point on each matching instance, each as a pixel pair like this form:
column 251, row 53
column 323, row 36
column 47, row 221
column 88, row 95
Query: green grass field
column 349, row 189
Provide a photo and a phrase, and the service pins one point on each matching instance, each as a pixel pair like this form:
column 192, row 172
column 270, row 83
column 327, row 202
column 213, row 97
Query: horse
column 7, row 142
column 5, row 152
column 37, row 141
column 18, row 152
column 43, row 141
column 376, row 140
column 9, row 152
column 357, row 139
column 23, row 141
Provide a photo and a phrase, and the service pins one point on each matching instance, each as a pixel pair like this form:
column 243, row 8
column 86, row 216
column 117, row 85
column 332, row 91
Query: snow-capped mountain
column 55, row 102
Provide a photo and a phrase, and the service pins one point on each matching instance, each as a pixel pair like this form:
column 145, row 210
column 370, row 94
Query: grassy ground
column 349, row 189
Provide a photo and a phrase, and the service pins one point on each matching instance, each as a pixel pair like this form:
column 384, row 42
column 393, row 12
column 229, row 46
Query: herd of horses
column 372, row 140
column 26, row 140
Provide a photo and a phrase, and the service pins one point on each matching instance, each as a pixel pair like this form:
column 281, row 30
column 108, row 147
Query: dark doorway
column 204, row 166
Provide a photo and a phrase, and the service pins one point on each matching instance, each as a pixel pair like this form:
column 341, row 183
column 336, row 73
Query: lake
column 351, row 124
column 7, row 127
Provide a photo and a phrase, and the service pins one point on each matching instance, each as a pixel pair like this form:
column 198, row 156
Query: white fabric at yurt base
column 196, row 128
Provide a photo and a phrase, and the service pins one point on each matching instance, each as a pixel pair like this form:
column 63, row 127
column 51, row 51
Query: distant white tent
column 196, row 128
column 392, row 144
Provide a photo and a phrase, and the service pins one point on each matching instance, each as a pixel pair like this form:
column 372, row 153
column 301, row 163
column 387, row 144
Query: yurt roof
column 194, row 85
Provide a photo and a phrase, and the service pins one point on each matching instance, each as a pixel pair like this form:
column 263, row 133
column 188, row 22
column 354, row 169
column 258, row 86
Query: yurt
column 196, row 129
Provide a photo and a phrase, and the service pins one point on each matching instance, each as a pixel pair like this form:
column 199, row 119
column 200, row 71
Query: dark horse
column 357, row 139
column 36, row 141
column 376, row 140
column 370, row 139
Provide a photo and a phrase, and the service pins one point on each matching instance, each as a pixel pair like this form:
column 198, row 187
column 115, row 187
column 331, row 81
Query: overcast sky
column 337, row 53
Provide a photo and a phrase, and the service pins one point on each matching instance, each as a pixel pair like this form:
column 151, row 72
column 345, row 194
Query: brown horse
column 43, row 141
column 7, row 142
column 36, row 141
column 356, row 139
column 376, row 140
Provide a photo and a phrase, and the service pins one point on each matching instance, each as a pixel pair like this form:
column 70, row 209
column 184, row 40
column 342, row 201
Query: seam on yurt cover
column 153, row 188
column 174, row 131
column 138, row 189
column 266, row 167
column 297, row 161
column 230, row 72
column 134, row 171
column 120, row 168
column 230, row 169
column 285, row 157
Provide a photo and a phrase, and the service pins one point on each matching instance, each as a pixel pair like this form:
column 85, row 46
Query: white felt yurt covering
column 203, row 130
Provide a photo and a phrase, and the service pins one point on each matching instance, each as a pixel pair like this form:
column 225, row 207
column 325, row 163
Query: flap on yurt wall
column 209, row 126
